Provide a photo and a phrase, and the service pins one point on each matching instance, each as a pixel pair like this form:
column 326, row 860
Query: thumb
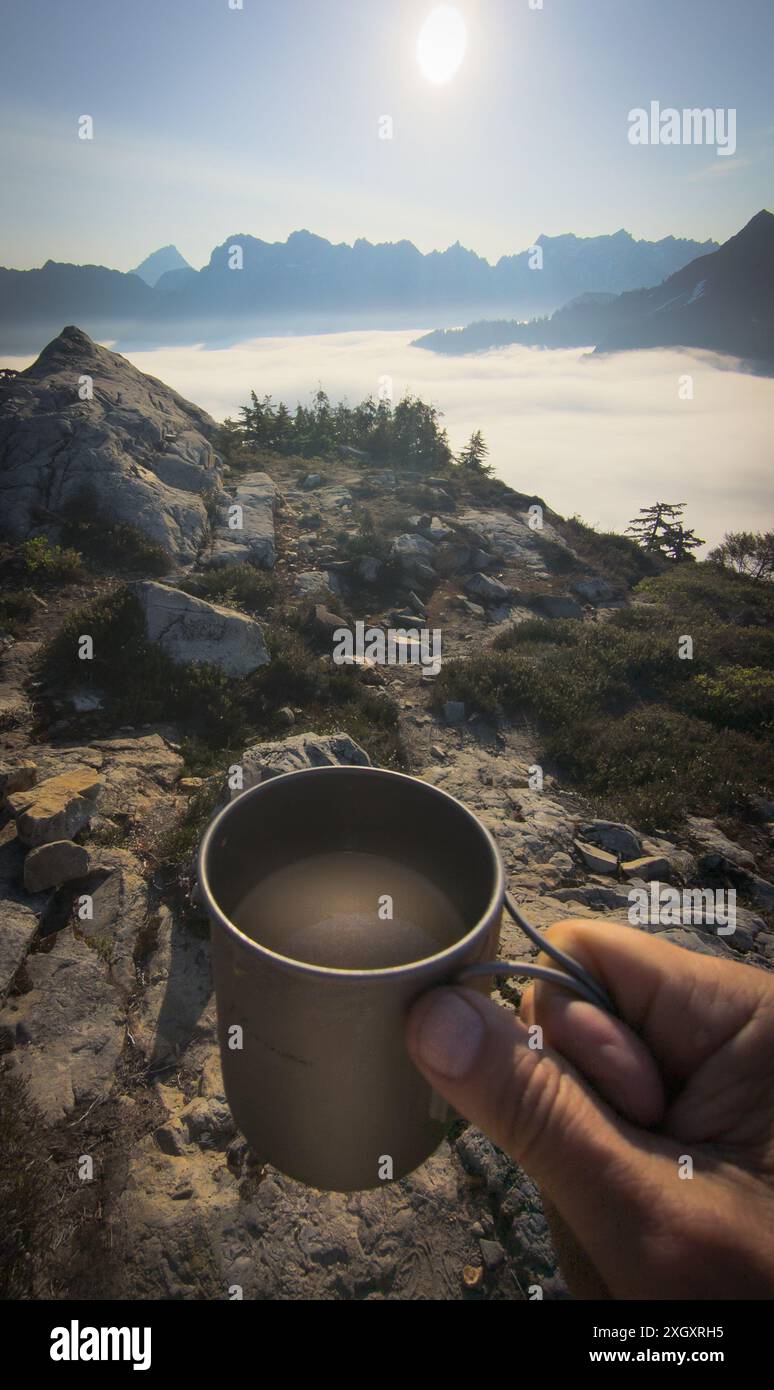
column 535, row 1106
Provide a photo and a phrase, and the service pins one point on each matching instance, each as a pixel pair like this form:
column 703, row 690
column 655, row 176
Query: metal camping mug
column 322, row 1086
column 314, row 1060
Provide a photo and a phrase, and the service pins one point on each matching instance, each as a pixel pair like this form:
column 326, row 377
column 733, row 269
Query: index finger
column 684, row 1006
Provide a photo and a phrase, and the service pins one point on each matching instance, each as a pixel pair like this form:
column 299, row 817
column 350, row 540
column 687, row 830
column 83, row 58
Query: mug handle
column 573, row 977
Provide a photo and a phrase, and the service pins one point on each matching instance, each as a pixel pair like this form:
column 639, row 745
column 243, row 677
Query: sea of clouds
column 595, row 436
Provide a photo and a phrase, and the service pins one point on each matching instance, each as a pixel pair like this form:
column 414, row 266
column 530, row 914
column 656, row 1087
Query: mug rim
column 426, row 964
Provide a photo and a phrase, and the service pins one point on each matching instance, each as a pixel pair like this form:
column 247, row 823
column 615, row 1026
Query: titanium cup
column 315, row 1066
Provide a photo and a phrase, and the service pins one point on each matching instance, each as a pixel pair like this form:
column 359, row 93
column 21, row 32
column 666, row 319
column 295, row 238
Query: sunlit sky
column 211, row 121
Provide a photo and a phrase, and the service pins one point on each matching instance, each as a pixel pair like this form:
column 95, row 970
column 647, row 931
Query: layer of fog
column 595, row 436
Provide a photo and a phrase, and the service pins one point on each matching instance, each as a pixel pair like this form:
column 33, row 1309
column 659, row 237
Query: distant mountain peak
column 158, row 263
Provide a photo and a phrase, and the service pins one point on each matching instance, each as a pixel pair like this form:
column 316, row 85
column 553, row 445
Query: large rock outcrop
column 137, row 449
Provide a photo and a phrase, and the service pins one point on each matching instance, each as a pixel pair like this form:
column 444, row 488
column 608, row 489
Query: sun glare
column 441, row 44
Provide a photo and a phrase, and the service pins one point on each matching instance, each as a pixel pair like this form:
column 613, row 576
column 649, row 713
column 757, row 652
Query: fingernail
column 450, row 1034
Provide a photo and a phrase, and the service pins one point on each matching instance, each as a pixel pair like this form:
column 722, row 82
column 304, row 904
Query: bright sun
column 441, row 44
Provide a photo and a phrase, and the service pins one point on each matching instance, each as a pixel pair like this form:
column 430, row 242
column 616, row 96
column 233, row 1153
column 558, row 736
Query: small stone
column 598, row 860
column 557, row 606
column 57, row 862
column 312, row 584
column 190, row 784
column 612, row 836
column 492, row 1253
column 473, row 1276
column 490, row 590
column 324, row 623
column 649, row 867
column 594, row 590
column 171, row 1138
column 286, row 717
column 473, row 610
column 55, row 809
column 367, row 568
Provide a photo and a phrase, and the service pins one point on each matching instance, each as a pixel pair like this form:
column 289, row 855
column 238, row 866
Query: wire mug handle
column 573, row 977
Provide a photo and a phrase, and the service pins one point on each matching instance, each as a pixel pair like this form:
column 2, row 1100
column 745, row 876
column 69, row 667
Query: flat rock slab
column 191, row 631
column 712, row 840
column 57, row 808
column 68, row 1030
column 612, row 836
column 265, row 760
column 177, row 1007
column 510, row 536
column 253, row 541
column 598, row 860
column 650, row 866
column 58, row 862
column 409, row 547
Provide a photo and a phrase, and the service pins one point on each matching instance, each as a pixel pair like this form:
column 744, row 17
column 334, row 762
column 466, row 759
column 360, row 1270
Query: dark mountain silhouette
column 723, row 302
column 309, row 284
column 32, row 300
column 167, row 260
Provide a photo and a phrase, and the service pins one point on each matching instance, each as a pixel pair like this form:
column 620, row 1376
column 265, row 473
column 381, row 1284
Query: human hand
column 606, row 1115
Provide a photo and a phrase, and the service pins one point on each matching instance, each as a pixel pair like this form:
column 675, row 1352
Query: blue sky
column 211, row 121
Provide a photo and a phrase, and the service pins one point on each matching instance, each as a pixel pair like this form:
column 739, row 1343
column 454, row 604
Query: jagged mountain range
column 309, row 284
column 722, row 302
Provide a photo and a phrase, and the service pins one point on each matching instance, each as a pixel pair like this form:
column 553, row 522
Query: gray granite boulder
column 191, row 630
column 137, row 448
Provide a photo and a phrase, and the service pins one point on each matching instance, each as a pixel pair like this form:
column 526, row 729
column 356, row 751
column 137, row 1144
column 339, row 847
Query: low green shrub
column 117, row 547
column 244, row 587
column 37, row 564
column 617, row 557
column 639, row 729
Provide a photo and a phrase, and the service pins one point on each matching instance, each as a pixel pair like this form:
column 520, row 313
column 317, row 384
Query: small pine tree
column 473, row 456
column 659, row 529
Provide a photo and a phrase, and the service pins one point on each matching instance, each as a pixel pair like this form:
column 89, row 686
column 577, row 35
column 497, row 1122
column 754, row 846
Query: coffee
column 350, row 911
